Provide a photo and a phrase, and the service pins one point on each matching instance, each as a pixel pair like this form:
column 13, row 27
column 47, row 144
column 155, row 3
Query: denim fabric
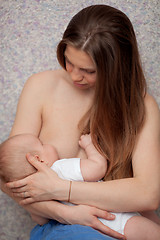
column 54, row 230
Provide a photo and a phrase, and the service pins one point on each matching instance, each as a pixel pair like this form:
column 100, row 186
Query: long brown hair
column 118, row 111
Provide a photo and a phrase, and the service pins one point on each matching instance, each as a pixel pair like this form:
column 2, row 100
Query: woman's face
column 81, row 68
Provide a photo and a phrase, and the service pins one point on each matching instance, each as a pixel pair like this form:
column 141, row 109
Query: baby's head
column 13, row 162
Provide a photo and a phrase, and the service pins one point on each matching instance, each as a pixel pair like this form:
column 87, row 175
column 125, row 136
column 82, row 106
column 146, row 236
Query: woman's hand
column 5, row 189
column 41, row 186
column 88, row 216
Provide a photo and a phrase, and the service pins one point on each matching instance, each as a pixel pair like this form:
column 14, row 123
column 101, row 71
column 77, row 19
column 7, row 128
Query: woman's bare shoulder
column 152, row 111
column 47, row 76
column 46, row 80
column 151, row 104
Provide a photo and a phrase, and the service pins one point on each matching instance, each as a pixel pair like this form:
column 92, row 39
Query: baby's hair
column 13, row 162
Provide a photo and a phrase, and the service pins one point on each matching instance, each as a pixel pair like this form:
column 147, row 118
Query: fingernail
column 112, row 216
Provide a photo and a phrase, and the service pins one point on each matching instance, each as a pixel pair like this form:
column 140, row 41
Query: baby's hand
column 85, row 140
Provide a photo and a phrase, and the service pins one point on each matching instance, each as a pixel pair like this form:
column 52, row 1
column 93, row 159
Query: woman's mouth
column 80, row 85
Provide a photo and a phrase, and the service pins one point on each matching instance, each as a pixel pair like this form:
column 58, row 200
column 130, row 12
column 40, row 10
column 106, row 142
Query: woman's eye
column 67, row 61
column 90, row 72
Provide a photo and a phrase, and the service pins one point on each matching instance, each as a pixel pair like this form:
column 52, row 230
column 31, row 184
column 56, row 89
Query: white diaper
column 119, row 222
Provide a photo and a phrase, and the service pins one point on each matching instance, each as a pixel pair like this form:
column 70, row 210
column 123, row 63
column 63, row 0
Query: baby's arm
column 94, row 167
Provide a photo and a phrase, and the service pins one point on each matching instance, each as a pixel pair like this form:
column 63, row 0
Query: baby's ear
column 38, row 164
column 38, row 158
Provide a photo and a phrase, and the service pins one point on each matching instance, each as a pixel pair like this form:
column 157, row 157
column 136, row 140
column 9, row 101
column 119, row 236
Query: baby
column 14, row 166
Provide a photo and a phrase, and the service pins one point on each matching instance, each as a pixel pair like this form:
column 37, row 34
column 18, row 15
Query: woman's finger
column 105, row 215
column 22, row 194
column 40, row 166
column 20, row 189
column 108, row 231
column 103, row 228
column 18, row 183
column 26, row 201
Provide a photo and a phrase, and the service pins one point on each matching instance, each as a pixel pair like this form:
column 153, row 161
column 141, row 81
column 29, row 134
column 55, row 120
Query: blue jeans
column 54, row 230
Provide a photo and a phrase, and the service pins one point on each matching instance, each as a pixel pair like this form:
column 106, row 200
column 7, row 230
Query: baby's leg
column 152, row 215
column 141, row 228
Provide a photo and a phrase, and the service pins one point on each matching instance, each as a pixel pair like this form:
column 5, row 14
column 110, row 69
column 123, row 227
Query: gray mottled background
column 29, row 33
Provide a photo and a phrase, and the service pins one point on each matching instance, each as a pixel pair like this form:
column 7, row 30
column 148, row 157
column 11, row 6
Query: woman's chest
column 60, row 127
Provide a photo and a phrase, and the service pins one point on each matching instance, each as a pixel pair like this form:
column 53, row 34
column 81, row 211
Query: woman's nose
column 76, row 75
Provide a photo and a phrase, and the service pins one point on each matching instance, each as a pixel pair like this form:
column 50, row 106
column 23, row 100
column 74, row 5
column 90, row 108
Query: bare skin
column 95, row 166
column 58, row 106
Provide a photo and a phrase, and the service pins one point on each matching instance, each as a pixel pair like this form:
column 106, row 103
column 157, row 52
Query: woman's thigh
column 57, row 231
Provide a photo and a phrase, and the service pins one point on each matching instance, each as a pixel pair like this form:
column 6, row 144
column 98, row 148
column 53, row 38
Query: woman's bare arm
column 43, row 210
column 79, row 214
column 29, row 108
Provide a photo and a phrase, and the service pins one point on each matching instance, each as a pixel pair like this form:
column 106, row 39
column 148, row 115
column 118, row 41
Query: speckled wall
column 29, row 33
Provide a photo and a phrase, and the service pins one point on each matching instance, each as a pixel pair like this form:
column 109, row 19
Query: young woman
column 100, row 90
